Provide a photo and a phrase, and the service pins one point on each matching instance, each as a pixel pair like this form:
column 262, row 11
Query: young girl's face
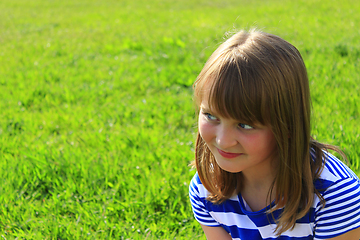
column 236, row 146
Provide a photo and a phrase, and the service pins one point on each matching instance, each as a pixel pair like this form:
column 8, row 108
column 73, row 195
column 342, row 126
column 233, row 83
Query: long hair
column 260, row 78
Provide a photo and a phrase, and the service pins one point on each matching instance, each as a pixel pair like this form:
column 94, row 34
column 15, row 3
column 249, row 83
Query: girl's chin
column 229, row 168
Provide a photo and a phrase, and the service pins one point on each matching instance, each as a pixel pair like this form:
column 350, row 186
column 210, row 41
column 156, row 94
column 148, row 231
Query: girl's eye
column 210, row 117
column 245, row 126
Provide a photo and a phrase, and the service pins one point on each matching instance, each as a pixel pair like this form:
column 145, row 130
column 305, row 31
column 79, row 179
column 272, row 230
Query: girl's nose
column 225, row 138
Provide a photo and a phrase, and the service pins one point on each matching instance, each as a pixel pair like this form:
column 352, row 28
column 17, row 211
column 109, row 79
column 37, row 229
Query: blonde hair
column 258, row 77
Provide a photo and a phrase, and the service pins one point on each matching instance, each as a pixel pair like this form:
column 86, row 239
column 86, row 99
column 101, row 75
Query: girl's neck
column 261, row 175
column 257, row 180
column 257, row 194
column 256, row 185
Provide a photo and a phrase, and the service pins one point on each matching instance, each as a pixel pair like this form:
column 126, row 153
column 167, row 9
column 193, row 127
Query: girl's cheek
column 205, row 129
column 260, row 142
column 249, row 139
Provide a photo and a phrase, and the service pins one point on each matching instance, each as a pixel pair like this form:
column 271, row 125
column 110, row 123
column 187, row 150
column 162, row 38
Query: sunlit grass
column 97, row 124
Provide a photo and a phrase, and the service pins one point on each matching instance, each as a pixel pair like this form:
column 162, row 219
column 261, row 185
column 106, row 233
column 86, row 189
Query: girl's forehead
column 204, row 106
column 214, row 103
column 230, row 96
column 205, row 103
column 233, row 108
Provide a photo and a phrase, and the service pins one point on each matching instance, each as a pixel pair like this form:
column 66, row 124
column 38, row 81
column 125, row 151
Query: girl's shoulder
column 196, row 188
column 340, row 188
column 195, row 184
column 335, row 171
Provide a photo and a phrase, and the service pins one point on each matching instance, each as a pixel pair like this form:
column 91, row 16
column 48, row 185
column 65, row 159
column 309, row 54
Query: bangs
column 233, row 89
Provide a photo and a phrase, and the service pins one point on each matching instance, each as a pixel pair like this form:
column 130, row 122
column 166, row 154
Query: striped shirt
column 338, row 185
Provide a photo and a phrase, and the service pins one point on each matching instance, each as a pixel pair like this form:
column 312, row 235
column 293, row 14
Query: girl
column 260, row 175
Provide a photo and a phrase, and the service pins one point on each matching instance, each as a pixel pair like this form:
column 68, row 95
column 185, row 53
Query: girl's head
column 259, row 78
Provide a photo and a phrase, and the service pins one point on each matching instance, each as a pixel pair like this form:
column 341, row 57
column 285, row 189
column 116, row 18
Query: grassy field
column 97, row 123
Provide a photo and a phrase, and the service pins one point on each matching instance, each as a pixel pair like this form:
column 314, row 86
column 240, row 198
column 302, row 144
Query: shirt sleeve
column 342, row 209
column 198, row 194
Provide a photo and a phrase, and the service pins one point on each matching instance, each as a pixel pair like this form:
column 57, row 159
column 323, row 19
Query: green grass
column 97, row 124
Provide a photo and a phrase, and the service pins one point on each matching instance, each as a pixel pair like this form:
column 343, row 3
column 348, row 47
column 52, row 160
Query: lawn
column 97, row 121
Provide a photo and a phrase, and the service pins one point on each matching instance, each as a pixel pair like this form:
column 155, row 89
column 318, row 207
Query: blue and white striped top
column 339, row 186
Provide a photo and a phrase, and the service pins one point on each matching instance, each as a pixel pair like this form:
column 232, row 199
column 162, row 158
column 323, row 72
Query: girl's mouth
column 228, row 155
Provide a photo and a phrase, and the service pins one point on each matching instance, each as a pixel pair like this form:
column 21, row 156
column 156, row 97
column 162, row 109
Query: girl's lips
column 227, row 154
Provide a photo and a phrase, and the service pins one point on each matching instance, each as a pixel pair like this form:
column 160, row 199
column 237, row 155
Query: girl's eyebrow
column 204, row 108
